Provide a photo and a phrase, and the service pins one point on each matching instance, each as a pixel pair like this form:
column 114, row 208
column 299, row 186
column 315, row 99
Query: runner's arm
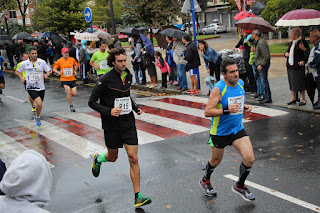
column 213, row 101
column 93, row 65
column 94, row 98
column 19, row 73
column 56, row 71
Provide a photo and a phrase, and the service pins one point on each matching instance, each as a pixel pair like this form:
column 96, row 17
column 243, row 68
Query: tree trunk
column 23, row 14
column 6, row 23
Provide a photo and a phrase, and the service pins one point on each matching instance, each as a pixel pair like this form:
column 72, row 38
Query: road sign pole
column 195, row 33
column 91, row 26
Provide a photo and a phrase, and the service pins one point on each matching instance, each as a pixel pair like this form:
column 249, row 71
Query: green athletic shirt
column 23, row 73
column 101, row 59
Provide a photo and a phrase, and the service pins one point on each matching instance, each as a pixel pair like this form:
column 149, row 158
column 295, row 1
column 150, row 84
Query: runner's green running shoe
column 95, row 168
column 141, row 200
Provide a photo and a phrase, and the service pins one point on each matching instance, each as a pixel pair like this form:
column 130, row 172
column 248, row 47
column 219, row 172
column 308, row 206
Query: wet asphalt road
column 287, row 161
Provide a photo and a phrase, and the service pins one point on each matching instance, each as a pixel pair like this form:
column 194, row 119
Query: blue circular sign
column 88, row 14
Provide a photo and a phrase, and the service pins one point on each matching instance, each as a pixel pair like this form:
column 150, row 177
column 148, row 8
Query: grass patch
column 281, row 47
column 199, row 37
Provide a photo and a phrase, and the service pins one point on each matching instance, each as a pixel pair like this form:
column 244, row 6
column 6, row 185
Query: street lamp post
column 113, row 27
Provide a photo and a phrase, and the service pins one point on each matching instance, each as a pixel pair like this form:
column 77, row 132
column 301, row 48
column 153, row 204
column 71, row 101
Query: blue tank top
column 232, row 123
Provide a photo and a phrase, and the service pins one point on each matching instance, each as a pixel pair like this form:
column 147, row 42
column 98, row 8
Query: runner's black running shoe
column 95, row 168
column 244, row 192
column 142, row 200
column 208, row 189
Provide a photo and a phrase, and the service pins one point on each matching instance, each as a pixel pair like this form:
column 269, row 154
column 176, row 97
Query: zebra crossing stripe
column 176, row 108
column 11, row 149
column 80, row 129
column 93, row 119
column 71, row 141
column 171, row 123
column 181, row 102
column 201, row 121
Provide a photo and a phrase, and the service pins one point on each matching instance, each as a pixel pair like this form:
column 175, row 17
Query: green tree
column 62, row 16
column 275, row 9
column 101, row 12
column 6, row 5
column 153, row 12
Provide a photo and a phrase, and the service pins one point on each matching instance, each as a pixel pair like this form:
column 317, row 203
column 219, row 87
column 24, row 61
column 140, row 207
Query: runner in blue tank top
column 226, row 106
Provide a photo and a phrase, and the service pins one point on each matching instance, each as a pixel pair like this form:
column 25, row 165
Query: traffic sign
column 186, row 8
column 88, row 14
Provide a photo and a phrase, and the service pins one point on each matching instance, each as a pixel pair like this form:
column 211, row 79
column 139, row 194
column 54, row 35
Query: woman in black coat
column 297, row 56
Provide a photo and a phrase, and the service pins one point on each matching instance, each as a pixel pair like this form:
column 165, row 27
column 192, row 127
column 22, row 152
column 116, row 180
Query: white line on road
column 10, row 149
column 278, row 194
column 16, row 99
column 90, row 120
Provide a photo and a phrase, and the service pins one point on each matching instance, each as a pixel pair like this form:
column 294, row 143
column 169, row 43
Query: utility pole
column 113, row 26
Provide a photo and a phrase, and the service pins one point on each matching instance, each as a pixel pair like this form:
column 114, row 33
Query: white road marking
column 90, row 120
column 16, row 99
column 172, row 124
column 278, row 194
column 176, row 108
column 71, row 141
column 10, row 149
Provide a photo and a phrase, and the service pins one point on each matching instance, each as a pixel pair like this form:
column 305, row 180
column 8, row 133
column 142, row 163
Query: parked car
column 200, row 27
column 214, row 28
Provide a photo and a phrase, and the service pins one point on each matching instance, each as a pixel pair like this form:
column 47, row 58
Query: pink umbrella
column 300, row 17
column 243, row 14
column 251, row 23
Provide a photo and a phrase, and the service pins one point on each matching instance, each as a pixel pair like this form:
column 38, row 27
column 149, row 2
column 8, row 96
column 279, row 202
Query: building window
column 31, row 10
column 12, row 14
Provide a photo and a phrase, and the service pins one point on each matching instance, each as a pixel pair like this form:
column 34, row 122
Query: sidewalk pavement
column 277, row 79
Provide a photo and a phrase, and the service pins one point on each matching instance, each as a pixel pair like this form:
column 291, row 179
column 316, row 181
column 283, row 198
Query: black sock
column 136, row 195
column 208, row 171
column 244, row 172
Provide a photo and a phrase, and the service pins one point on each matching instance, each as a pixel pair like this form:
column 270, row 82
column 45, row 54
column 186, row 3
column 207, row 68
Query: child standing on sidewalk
column 164, row 67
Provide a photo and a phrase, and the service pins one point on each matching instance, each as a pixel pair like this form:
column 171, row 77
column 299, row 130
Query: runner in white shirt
column 34, row 69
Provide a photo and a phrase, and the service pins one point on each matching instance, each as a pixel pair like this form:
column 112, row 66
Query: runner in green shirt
column 100, row 57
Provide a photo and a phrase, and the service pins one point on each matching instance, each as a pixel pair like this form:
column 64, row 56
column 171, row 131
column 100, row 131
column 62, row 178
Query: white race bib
column 125, row 105
column 67, row 71
column 103, row 65
column 35, row 76
column 240, row 101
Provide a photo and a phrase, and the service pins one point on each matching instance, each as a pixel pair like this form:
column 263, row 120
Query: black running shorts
column 35, row 94
column 71, row 84
column 115, row 139
column 221, row 142
column 2, row 80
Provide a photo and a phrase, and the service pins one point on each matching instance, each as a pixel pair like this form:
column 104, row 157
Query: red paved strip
column 254, row 116
column 179, row 102
column 160, row 131
column 154, row 129
column 52, row 151
column 177, row 116
column 94, row 113
column 80, row 129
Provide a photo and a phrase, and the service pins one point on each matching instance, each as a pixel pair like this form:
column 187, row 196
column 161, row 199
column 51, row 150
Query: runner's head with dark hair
column 112, row 55
column 226, row 62
column 32, row 48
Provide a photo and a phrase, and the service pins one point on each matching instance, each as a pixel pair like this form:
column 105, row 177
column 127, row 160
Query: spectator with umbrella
column 297, row 56
column 314, row 63
column 137, row 60
column 178, row 48
column 9, row 50
column 72, row 50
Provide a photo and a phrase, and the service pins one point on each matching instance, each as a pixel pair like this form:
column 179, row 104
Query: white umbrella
column 102, row 34
column 86, row 36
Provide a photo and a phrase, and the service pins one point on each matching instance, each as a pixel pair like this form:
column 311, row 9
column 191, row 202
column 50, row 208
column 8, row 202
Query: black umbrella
column 142, row 28
column 311, row 85
column 22, row 35
column 161, row 38
column 130, row 31
column 3, row 42
column 174, row 33
column 5, row 37
column 54, row 36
